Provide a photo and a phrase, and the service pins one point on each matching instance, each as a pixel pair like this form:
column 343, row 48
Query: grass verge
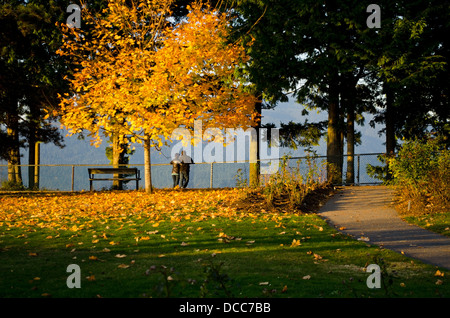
column 437, row 220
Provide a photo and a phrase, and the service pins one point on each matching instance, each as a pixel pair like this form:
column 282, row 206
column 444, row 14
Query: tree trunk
column 350, row 176
column 148, row 165
column 12, row 130
column 33, row 162
column 254, row 170
column 334, row 149
column 37, row 162
column 117, row 159
column 349, row 102
column 390, row 127
column 341, row 140
column 33, row 127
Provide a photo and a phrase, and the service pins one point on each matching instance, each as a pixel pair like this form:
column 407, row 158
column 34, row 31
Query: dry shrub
column 421, row 173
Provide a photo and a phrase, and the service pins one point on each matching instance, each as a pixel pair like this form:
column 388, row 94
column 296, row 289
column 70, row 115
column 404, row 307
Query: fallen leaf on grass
column 123, row 266
column 120, row 255
column 317, row 256
column 439, row 273
column 306, row 277
column 295, row 243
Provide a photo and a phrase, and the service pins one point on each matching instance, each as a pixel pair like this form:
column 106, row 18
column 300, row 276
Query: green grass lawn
column 145, row 246
column 436, row 222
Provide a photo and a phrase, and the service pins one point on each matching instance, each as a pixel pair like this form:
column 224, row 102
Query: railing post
column 357, row 174
column 37, row 162
column 73, row 176
column 211, row 176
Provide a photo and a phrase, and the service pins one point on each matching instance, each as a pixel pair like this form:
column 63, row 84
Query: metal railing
column 74, row 177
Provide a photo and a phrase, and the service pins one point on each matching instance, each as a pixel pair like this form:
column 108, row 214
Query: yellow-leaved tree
column 140, row 75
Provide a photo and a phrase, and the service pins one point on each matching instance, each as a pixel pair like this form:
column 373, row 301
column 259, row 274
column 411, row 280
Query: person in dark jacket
column 176, row 165
column 186, row 161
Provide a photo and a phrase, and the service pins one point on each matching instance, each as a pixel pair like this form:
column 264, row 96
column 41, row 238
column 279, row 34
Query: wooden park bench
column 122, row 172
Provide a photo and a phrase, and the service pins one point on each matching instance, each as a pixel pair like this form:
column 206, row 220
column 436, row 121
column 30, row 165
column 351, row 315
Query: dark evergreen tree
column 31, row 77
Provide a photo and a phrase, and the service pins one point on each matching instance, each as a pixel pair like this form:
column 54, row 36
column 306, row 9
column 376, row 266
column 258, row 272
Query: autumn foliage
column 140, row 75
column 83, row 211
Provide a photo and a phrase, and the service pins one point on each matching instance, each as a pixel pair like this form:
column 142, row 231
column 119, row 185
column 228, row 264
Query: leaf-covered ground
column 194, row 243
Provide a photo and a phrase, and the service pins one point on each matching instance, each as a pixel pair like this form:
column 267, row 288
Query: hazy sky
column 81, row 152
column 284, row 112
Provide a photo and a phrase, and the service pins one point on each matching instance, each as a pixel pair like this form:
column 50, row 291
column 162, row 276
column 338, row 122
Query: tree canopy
column 138, row 69
column 31, row 74
column 327, row 56
column 140, row 76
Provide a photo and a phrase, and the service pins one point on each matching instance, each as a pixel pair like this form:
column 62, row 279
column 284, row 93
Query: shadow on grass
column 322, row 267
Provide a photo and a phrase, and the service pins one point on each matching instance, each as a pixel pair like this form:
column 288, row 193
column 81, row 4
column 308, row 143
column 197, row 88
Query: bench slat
column 105, row 179
column 113, row 171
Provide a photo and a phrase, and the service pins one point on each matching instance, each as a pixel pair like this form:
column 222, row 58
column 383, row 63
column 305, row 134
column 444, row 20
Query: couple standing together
column 180, row 169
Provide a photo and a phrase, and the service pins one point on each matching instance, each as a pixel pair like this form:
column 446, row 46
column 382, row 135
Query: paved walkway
column 365, row 212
